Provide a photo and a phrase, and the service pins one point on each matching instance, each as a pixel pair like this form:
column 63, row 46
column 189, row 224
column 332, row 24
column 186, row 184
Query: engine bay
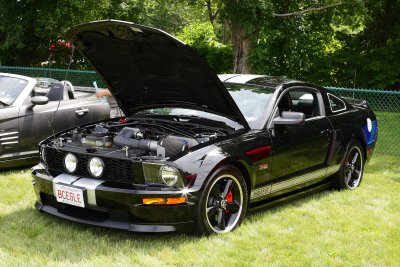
column 143, row 138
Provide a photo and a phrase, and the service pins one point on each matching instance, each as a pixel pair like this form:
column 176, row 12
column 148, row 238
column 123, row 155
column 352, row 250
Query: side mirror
column 38, row 100
column 290, row 118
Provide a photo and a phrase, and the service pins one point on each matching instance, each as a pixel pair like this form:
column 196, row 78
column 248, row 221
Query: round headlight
column 70, row 162
column 169, row 175
column 96, row 167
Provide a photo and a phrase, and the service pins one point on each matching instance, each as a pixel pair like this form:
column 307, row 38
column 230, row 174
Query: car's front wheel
column 223, row 202
column 352, row 168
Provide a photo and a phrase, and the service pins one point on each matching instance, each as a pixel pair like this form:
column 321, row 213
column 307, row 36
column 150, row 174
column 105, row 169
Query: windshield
column 251, row 100
column 10, row 89
column 43, row 85
column 43, row 82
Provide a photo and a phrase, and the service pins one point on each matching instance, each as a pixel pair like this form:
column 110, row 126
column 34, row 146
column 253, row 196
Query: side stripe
column 259, row 192
column 298, row 180
column 275, row 187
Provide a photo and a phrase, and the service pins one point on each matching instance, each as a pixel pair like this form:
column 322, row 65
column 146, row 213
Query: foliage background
column 354, row 44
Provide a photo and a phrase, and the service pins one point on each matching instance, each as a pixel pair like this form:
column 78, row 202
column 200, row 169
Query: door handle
column 326, row 132
column 81, row 111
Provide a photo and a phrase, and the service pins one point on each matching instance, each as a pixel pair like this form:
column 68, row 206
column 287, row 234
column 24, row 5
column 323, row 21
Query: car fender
column 205, row 161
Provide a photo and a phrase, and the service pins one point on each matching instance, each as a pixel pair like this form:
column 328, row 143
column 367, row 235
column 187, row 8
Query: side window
column 300, row 101
column 336, row 103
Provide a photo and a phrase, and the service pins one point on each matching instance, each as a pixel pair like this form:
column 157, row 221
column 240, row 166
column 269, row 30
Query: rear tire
column 352, row 168
column 223, row 203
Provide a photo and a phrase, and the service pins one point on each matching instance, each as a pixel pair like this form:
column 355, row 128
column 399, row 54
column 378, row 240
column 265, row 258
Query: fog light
column 70, row 162
column 96, row 167
column 169, row 175
column 164, row 201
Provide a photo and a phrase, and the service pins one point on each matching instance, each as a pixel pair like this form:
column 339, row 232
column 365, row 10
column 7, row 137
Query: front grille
column 116, row 170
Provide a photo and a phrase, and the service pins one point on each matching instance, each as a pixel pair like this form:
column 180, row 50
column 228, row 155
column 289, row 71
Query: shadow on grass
column 37, row 235
column 14, row 170
column 281, row 205
column 44, row 235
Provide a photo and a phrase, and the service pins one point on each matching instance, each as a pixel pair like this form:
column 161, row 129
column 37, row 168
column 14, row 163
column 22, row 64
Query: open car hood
column 147, row 68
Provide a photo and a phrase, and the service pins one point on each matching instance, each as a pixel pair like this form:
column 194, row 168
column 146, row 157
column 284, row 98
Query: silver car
column 31, row 109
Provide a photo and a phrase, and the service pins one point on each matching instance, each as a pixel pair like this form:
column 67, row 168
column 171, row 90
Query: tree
column 202, row 37
column 28, row 28
column 349, row 43
column 373, row 54
column 247, row 18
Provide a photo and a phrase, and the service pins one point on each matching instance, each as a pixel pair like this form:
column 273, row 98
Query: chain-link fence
column 386, row 104
column 76, row 77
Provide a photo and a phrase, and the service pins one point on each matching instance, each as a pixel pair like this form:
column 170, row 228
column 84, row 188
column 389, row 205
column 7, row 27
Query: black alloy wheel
column 352, row 168
column 223, row 203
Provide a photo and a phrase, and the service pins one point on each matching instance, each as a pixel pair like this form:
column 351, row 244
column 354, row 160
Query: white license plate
column 69, row 195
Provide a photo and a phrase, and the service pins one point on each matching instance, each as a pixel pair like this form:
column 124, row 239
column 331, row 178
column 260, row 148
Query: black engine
column 144, row 138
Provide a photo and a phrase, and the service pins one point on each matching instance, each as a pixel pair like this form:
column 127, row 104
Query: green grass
column 358, row 228
column 388, row 133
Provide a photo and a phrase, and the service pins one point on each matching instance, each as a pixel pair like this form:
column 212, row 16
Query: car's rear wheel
column 352, row 168
column 223, row 203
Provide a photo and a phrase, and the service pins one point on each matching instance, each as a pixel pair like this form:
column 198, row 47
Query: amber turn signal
column 164, row 201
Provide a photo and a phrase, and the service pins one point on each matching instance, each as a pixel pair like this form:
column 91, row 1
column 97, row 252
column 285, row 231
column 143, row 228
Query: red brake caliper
column 229, row 199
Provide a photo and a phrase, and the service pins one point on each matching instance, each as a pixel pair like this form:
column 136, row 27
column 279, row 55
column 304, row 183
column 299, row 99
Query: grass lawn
column 359, row 228
column 388, row 132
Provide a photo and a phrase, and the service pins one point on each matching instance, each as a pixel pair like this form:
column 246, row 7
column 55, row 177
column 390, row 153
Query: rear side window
column 336, row 103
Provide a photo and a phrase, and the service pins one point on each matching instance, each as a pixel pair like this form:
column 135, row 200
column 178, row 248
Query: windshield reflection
column 251, row 100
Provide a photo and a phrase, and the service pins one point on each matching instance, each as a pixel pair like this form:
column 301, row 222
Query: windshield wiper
column 144, row 112
column 188, row 116
column 4, row 103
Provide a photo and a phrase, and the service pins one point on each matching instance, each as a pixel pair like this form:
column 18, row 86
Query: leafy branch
column 312, row 9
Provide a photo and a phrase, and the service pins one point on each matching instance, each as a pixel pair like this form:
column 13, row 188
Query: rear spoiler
column 358, row 103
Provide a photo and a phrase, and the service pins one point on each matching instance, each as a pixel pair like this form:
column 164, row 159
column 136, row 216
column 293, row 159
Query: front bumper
column 115, row 206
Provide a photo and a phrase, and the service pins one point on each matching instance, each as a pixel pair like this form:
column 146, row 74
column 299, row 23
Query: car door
column 9, row 135
column 41, row 121
column 300, row 151
column 13, row 91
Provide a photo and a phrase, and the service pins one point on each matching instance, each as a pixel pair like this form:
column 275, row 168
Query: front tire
column 223, row 203
column 352, row 168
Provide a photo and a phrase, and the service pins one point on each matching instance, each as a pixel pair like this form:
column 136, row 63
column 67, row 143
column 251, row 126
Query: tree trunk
column 242, row 44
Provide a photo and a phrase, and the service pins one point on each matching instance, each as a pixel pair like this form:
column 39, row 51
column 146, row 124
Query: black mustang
column 195, row 153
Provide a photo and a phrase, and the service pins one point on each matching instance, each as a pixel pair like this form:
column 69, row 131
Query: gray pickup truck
column 31, row 109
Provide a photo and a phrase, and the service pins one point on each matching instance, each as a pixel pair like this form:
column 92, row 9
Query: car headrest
column 285, row 103
column 307, row 106
column 57, row 92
